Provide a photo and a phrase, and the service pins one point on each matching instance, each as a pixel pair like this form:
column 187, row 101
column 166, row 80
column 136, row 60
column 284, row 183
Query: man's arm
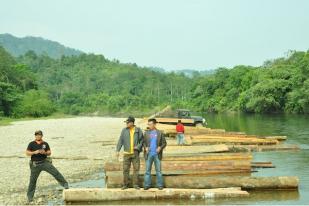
column 163, row 144
column 119, row 144
column 47, row 150
column 30, row 153
column 140, row 140
column 145, row 142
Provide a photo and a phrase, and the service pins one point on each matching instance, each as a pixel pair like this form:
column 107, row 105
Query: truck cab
column 186, row 114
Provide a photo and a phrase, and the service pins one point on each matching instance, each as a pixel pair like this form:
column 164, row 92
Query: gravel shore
column 76, row 148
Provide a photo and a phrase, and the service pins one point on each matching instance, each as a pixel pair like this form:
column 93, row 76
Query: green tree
column 34, row 103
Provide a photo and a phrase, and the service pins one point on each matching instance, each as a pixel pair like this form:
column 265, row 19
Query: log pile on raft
column 213, row 163
column 235, row 141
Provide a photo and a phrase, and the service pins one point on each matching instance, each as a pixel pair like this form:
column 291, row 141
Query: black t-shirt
column 33, row 146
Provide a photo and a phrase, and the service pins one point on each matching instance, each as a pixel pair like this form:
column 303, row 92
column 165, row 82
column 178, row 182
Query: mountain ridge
column 20, row 45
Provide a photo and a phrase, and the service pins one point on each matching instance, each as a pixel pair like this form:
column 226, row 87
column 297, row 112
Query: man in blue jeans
column 154, row 143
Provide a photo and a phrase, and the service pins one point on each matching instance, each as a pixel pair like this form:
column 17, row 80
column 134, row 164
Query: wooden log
column 209, row 157
column 279, row 138
column 207, row 139
column 202, row 182
column 204, row 156
column 243, row 165
column 191, row 150
column 219, row 166
column 229, row 135
column 262, row 165
column 242, row 137
column 102, row 194
column 262, row 148
column 192, row 169
column 228, row 172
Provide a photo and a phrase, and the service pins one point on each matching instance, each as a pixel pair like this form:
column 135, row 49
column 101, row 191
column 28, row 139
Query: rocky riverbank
column 76, row 148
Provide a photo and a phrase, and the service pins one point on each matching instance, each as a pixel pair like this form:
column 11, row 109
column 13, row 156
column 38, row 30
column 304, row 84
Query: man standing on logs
column 131, row 138
column 180, row 129
column 154, row 142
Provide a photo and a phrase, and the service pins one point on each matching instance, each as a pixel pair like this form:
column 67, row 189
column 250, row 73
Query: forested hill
column 38, row 85
column 19, row 46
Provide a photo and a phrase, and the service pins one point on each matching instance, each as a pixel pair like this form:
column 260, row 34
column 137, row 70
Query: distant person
column 180, row 129
column 131, row 138
column 154, row 143
column 39, row 150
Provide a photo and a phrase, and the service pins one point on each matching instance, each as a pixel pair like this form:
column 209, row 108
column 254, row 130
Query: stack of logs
column 208, row 160
column 235, row 141
column 213, row 163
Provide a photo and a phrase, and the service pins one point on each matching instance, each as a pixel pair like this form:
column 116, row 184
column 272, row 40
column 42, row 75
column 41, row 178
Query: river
column 296, row 127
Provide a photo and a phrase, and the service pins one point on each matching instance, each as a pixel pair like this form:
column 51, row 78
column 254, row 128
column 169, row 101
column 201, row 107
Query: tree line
column 38, row 85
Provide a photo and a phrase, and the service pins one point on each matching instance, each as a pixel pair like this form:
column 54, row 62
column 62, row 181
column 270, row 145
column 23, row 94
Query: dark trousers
column 127, row 160
column 36, row 169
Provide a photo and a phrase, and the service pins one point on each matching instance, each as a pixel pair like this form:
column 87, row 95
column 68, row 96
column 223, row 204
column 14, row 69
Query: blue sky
column 172, row 34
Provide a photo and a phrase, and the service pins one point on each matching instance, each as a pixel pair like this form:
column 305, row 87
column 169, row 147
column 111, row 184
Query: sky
column 171, row 34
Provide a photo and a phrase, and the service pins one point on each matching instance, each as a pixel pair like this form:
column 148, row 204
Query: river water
column 288, row 163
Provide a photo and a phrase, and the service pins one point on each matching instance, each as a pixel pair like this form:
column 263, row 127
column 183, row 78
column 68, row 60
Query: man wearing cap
column 131, row 138
column 39, row 150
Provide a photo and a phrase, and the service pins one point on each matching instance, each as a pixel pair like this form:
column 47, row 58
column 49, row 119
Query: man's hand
column 158, row 149
column 30, row 153
column 41, row 151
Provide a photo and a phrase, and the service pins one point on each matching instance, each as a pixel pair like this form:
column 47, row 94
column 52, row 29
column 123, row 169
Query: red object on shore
column 180, row 128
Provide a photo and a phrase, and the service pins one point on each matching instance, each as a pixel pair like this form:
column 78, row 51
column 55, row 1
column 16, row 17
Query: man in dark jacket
column 154, row 143
column 131, row 138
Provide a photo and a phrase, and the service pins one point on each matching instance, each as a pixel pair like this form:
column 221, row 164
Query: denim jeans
column 147, row 177
column 180, row 138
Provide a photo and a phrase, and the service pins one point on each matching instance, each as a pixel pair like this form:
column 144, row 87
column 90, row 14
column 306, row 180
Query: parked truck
column 185, row 116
